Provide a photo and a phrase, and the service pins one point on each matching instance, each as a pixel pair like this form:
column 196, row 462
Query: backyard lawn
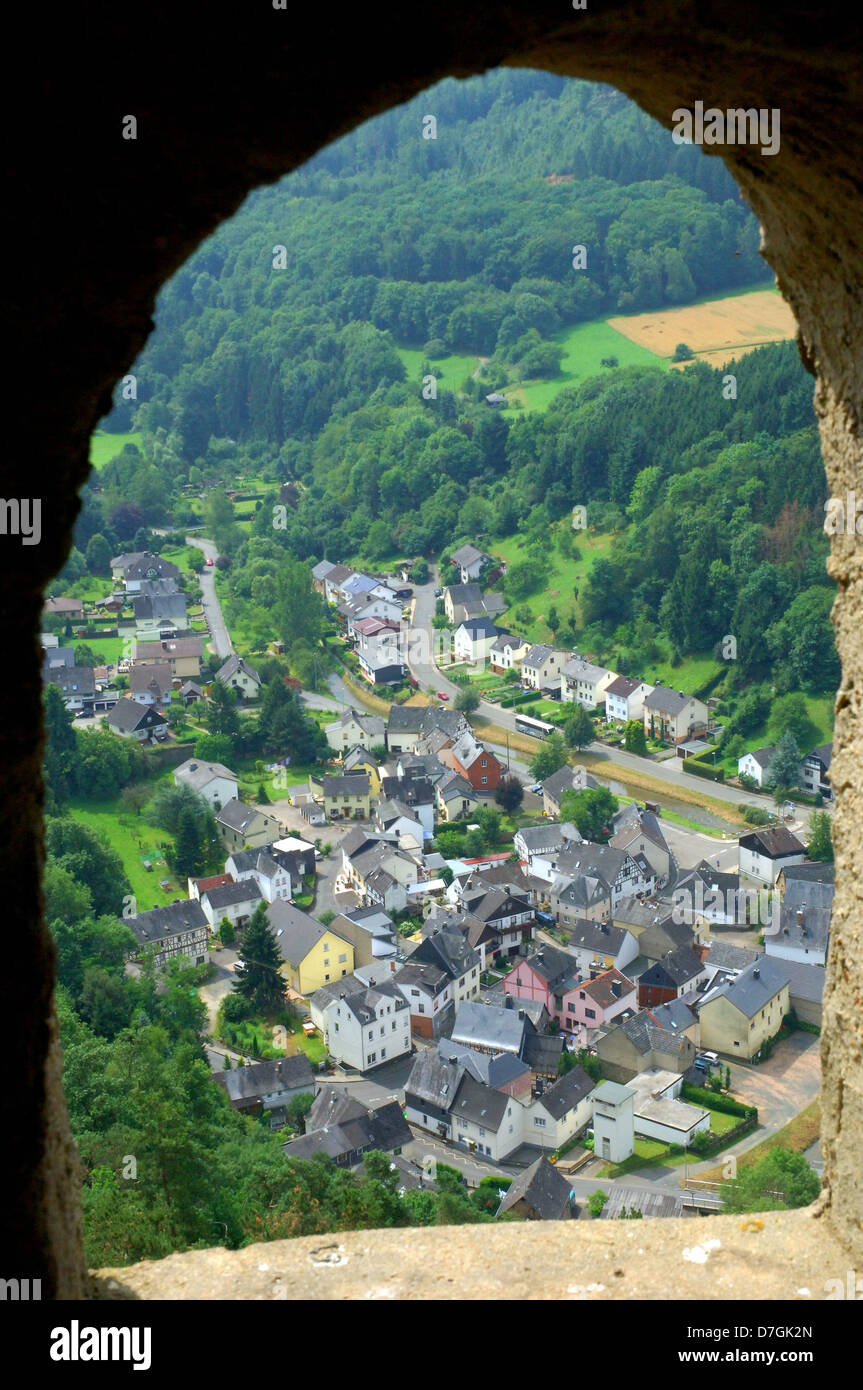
column 134, row 841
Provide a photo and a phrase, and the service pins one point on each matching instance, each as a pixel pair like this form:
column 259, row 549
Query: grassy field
column 105, row 447
column 716, row 329
column 450, row 371
column 110, row 649
column 584, row 347
column 796, row 1136
column 134, row 841
column 564, row 575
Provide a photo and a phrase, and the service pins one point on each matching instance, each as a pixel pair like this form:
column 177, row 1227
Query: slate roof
column 230, row 894
column 597, row 936
column 237, row 816
column 772, row 841
column 567, row 1093
column 381, row 1128
column 675, row 969
column 761, row 756
column 543, row 1188
column 723, row 956
column 349, row 784
column 71, row 680
column 485, row 1025
column 537, row 654
column 824, row 754
column 492, row 1070
column 467, row 555
column 805, row 981
column 666, row 700
column 802, row 922
column 711, row 880
column 820, row 873
column 296, row 932
column 754, row 987
column 562, row 781
column 464, row 593
column 233, row 665
column 648, row 1035
column 263, row 1078
column 542, row 1052
column 160, row 922
column 480, row 1104
column 479, row 627
column 372, row 725
column 128, row 715
column 623, row 686
column 674, row 1016
column 159, row 606
column 199, row 774
column 578, row 668
column 168, row 647
column 433, row 1080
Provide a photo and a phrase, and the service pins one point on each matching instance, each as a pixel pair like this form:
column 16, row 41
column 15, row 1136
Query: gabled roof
column 563, row 781
column 824, row 754
column 478, row 627
column 676, row 968
column 578, row 668
column 537, row 654
column 371, row 724
column 567, row 1093
column 237, row 816
column 199, row 774
column 484, row 1025
column 433, row 1080
column 160, row 922
column 71, row 680
column 296, row 932
column 647, row 1034
column 155, row 679
column 383, row 1128
column 467, row 555
column 264, row 1078
column 723, row 956
column 676, row 1015
column 480, row 1105
column 597, row 936
column 623, row 686
column 233, row 665
column 544, row 1189
column 128, row 715
column 230, row 894
column 464, row 593
column 350, row 784
column 754, row 987
column 772, row 841
column 761, row 756
column 666, row 700
column 817, row 872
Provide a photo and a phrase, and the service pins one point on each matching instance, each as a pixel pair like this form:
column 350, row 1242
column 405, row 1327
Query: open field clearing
column 105, row 447
column 716, row 330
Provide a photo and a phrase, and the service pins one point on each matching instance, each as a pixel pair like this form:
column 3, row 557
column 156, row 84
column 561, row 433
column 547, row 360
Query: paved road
column 209, row 602
column 425, row 644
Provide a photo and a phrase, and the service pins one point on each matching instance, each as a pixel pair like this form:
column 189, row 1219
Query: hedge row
column 697, row 769
column 711, row 1100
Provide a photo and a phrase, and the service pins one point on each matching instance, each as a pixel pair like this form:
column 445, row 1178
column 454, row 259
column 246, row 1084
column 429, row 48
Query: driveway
column 213, row 993
column 209, row 602
column 783, row 1085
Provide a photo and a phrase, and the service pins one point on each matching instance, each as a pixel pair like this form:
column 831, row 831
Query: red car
column 442, row 695
column 209, row 560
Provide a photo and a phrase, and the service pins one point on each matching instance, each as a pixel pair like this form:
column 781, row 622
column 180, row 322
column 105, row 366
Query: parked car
column 536, row 789
column 84, row 714
column 442, row 695
column 209, row 560
column 437, row 593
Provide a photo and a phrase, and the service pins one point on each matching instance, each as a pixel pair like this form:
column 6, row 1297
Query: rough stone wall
column 227, row 100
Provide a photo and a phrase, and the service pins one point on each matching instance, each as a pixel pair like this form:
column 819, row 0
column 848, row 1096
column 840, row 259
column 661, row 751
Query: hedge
column 697, row 769
column 712, row 1101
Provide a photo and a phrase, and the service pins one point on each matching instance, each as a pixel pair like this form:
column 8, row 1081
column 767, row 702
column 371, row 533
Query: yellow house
column 358, row 760
column 742, row 1014
column 348, row 796
column 312, row 954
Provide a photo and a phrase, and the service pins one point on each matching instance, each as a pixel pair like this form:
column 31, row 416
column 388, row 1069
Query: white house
column 804, row 923
column 659, row 1114
column 584, row 683
column 624, row 698
column 507, row 652
column 755, row 764
column 542, row 666
column 236, row 901
column 470, row 562
column 216, row 783
column 271, row 876
column 353, row 730
column 366, row 1027
column 474, row 639
column 238, row 675
column 764, row 852
column 561, row 1112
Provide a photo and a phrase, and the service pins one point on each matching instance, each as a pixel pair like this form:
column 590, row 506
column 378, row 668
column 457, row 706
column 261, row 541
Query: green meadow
column 450, row 371
column 105, row 447
column 584, row 347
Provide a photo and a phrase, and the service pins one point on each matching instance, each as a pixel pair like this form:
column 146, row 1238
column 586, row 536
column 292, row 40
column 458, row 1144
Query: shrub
column 698, row 769
column 700, row 1095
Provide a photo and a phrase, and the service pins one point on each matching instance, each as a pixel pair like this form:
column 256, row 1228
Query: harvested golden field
column 717, row 331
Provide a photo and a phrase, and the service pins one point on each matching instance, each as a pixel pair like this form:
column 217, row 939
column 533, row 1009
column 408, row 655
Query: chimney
column 756, row 974
column 800, row 916
column 521, row 1015
column 508, row 1004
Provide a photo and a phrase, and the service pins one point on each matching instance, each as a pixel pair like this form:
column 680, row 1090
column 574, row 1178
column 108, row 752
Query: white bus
column 537, row 728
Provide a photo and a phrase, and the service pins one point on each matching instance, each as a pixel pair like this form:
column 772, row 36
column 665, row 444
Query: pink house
column 577, row 1001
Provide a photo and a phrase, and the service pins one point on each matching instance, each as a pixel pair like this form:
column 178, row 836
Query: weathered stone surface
column 227, row 101
column 787, row 1255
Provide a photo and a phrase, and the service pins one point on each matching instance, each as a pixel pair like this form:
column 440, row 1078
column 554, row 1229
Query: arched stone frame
column 227, row 100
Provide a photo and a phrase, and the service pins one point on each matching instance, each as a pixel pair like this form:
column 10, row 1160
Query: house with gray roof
column 540, row 1193
column 766, row 850
column 755, row 763
column 239, row 676
column 470, row 561
column 642, row 1041
column 241, row 826
column 486, row 1028
column 674, row 716
column 140, row 722
column 77, row 684
column 583, row 682
column 542, row 666
column 680, row 972
column 178, row 930
column 344, row 1129
column 234, row 901
column 737, row 1016
column 267, row 1086
column 365, row 1028
column 804, row 923
column 601, row 944
column 298, row 936
column 216, row 783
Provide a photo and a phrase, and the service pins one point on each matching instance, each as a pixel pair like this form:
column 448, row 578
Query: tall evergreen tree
column 260, row 980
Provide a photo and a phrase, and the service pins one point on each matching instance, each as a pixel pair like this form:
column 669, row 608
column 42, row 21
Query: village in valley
column 492, row 955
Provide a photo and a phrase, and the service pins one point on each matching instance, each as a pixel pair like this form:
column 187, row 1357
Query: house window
column 538, row 1121
column 373, row 1056
column 343, row 958
column 484, row 780
column 326, row 962
column 326, row 977
column 421, row 1008
column 570, row 1008
column 394, row 1025
column 337, row 1027
column 383, row 1052
column 590, row 1013
column 326, row 945
column 483, row 763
